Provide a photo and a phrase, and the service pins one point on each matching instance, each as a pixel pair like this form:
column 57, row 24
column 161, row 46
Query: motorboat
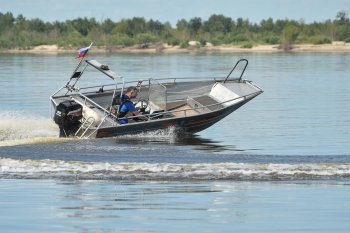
column 187, row 105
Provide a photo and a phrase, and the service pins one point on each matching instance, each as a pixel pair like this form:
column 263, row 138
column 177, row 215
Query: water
column 95, row 206
column 279, row 163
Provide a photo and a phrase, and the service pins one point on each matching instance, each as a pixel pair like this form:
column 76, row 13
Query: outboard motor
column 67, row 116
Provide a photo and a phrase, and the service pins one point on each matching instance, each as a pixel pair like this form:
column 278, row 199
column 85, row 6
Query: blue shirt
column 126, row 106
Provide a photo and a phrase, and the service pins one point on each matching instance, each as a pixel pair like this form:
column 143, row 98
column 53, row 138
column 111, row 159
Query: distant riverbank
column 164, row 48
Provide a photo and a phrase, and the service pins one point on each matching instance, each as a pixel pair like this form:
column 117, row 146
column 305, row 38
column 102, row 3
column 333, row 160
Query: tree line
column 21, row 33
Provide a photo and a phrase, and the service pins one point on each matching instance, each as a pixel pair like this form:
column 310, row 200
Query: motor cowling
column 67, row 116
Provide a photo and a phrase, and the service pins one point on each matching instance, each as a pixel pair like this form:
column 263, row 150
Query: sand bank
column 164, row 48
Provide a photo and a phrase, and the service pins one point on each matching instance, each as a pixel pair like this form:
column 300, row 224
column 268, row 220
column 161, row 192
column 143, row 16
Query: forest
column 17, row 32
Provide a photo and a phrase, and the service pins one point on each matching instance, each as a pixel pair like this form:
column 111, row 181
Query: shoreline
column 164, row 48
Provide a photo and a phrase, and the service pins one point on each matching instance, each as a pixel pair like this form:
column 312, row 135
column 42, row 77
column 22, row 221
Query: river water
column 279, row 163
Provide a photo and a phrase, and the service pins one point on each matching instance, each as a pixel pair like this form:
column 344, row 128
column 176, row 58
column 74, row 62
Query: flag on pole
column 82, row 52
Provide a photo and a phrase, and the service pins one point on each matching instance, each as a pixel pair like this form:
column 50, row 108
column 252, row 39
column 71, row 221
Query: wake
column 168, row 135
column 19, row 127
column 47, row 169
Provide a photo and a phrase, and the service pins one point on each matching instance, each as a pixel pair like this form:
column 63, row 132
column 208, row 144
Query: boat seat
column 207, row 101
column 184, row 110
column 221, row 92
column 196, row 105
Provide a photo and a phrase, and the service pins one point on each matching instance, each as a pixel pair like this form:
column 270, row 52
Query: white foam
column 19, row 127
column 168, row 171
column 167, row 134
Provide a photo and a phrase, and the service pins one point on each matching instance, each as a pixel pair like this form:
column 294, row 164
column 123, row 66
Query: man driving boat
column 127, row 106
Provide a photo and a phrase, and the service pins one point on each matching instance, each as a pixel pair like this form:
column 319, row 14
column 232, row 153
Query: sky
column 173, row 10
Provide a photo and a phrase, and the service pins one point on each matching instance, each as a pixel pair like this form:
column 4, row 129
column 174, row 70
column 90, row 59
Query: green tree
column 218, row 24
column 83, row 25
column 61, row 27
column 107, row 26
column 290, row 34
column 342, row 18
column 37, row 25
column 155, row 27
column 194, row 25
column 182, row 24
column 6, row 21
column 135, row 26
column 267, row 25
column 19, row 32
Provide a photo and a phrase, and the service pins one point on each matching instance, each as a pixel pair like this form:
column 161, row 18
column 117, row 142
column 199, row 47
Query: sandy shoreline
column 54, row 49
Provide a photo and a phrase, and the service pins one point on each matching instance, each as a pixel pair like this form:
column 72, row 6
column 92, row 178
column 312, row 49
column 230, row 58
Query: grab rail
column 87, row 99
column 240, row 77
column 83, row 126
column 97, row 127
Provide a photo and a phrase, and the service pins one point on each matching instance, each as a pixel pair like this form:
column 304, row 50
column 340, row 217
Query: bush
column 290, row 34
column 247, row 45
column 184, row 44
column 73, row 39
column 145, row 38
column 173, row 41
column 6, row 43
column 202, row 42
column 230, row 39
column 318, row 40
column 122, row 39
column 271, row 40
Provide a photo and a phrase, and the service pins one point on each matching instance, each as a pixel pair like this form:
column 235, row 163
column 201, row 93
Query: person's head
column 131, row 92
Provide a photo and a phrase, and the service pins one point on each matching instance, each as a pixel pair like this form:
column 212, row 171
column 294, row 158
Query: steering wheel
column 142, row 104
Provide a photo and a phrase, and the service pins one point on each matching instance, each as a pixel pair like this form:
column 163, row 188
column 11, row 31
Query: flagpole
column 81, row 60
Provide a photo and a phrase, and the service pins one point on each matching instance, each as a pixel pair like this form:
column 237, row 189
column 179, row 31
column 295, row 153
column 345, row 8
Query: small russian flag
column 82, row 52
